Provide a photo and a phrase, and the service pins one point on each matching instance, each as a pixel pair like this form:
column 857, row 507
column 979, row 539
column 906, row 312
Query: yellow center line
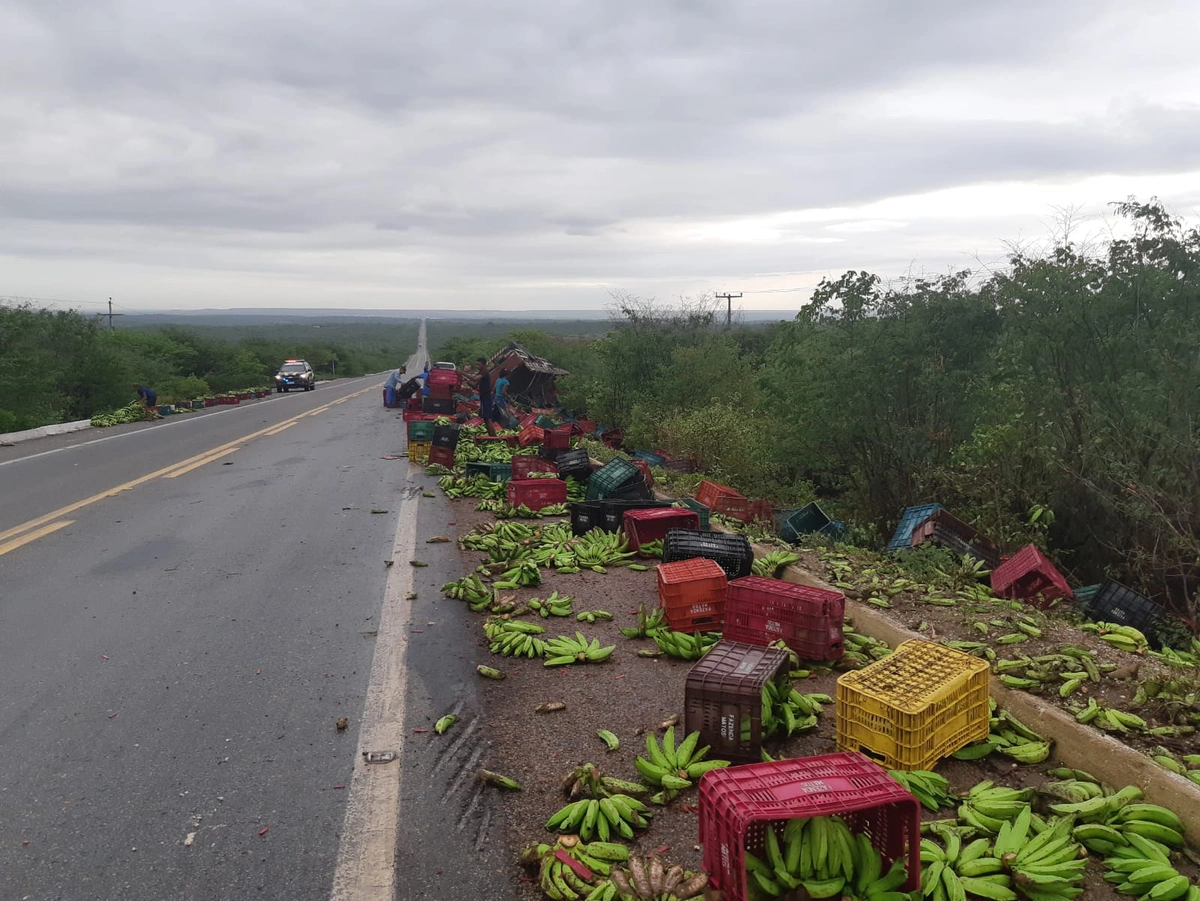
column 33, row 536
column 177, row 473
column 282, row 428
column 198, row 459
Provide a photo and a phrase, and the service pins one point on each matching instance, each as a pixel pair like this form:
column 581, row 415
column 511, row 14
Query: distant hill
column 260, row 316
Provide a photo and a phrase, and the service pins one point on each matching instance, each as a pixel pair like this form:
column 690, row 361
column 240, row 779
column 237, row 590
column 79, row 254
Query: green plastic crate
column 495, row 472
column 611, row 478
column 696, row 507
column 804, row 521
column 545, row 422
column 420, row 430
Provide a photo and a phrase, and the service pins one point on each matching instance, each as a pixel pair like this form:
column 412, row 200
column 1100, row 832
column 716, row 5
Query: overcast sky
column 537, row 154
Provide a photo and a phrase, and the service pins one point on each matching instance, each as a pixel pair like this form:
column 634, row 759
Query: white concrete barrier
column 45, row 431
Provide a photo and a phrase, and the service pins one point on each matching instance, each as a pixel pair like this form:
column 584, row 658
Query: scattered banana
column 603, row 817
column 674, row 768
column 563, row 651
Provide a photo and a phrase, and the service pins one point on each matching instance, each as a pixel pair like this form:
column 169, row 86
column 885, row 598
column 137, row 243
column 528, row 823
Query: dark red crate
column 527, row 420
column 809, row 620
column 530, row 434
column 474, row 421
column 588, row 426
column 537, row 493
column 946, row 530
column 644, row 468
column 642, row 526
column 524, row 464
column 723, row 697
column 738, row 803
column 710, row 492
column 692, row 594
column 557, row 439
column 1029, row 575
column 466, row 406
column 442, row 455
column 418, row 416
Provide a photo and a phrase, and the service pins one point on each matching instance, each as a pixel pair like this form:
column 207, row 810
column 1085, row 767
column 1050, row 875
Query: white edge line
column 366, row 862
column 59, row 450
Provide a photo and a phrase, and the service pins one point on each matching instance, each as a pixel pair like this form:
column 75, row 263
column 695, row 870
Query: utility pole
column 111, row 314
column 728, row 298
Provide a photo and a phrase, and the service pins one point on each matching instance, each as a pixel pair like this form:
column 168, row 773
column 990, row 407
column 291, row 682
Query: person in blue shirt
column 500, row 401
column 389, row 387
column 147, row 396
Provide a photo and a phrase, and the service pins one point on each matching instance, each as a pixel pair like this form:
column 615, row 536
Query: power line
column 728, row 298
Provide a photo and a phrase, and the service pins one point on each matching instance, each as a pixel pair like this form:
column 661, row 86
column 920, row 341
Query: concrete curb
column 44, row 431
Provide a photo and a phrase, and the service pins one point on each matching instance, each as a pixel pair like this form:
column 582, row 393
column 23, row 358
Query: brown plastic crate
column 692, row 592
column 723, row 695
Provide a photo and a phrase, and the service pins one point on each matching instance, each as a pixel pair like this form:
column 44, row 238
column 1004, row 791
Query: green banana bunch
column 513, row 638
column 1047, row 865
column 932, row 790
column 597, row 549
column 570, row 869
column 822, row 857
column 563, row 651
column 522, row 575
column 576, row 490
column 1141, row 865
column 683, row 646
column 648, row 622
column 1123, row 638
column 651, row 548
column 674, row 768
column 551, row 606
column 593, row 616
column 987, row 806
column 1108, row 718
column 131, row 412
column 956, row 870
column 471, row 589
column 477, row 485
column 602, row 817
column 649, row 879
column 588, row 781
column 784, row 709
column 444, row 723
column 1014, row 739
column 861, row 650
column 772, row 564
column 1148, row 821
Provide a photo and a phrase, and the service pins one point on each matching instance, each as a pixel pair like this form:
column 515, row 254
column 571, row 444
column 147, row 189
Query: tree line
column 1054, row 399
column 61, row 366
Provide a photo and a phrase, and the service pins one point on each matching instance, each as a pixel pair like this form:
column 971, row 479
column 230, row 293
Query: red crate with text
column 524, row 464
column 443, row 456
column 692, row 594
column 809, row 620
column 645, row 525
column 537, row 493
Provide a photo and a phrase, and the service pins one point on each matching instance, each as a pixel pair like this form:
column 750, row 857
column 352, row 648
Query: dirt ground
column 631, row 695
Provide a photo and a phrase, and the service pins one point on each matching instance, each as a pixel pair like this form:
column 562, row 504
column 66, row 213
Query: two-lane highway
column 185, row 613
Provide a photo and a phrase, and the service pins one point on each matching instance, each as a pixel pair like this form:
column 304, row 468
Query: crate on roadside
column 445, row 436
column 637, row 490
column 1114, row 603
column 610, row 478
column 530, row 435
column 644, row 469
column 441, row 406
column 574, row 463
column 692, row 594
column 557, row 439
column 650, row 458
column 922, row 702
column 418, row 451
column 732, row 553
column 710, row 492
column 698, row 508
column 722, row 697
column 615, row 509
column 1029, row 575
column 524, row 464
column 909, row 520
column 494, row 472
column 537, row 493
column 738, row 803
column 944, row 529
column 443, row 456
column 791, row 524
column 650, row 524
column 585, row 516
column 809, row 620
column 686, row 467
column 586, row 426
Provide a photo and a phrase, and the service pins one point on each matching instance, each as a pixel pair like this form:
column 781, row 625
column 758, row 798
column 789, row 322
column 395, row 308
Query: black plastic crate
column 1114, row 603
column 636, row 490
column 574, row 463
column 442, row 406
column 614, row 510
column 732, row 553
column 445, row 436
column 585, row 516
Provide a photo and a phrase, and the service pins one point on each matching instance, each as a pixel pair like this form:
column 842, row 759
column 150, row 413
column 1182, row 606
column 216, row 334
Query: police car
column 294, row 374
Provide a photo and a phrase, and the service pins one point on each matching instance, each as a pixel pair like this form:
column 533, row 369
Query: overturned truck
column 531, row 380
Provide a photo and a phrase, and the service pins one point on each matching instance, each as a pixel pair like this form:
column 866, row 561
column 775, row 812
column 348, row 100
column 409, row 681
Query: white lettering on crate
column 773, row 626
column 816, row 785
column 728, row 727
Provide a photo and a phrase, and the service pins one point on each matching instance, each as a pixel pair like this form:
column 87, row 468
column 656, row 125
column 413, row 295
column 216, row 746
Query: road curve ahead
column 186, row 611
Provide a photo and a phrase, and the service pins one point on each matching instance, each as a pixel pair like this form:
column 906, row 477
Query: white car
column 450, row 366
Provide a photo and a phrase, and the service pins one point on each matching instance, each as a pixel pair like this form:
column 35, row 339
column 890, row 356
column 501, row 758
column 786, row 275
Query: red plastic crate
column 710, row 492
column 418, row 416
column 524, row 464
column 442, row 455
column 692, row 592
column 1026, row 575
column 642, row 526
column 466, row 406
column 510, row 440
column 738, row 803
column 527, row 420
column 537, row 493
column 530, row 434
column 588, row 426
column 474, row 421
column 414, row 404
column 644, row 468
column 810, row 620
column 557, row 439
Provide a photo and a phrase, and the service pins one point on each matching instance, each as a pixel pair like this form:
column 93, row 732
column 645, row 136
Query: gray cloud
column 527, row 149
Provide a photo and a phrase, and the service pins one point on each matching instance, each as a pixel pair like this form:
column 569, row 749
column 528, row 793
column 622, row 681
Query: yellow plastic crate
column 418, row 451
column 921, row 703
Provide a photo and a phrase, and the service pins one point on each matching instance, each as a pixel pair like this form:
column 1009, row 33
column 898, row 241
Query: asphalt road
column 179, row 634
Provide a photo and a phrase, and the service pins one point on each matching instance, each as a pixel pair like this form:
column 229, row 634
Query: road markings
column 197, row 459
column 282, row 428
column 33, row 536
column 217, row 456
column 366, row 863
